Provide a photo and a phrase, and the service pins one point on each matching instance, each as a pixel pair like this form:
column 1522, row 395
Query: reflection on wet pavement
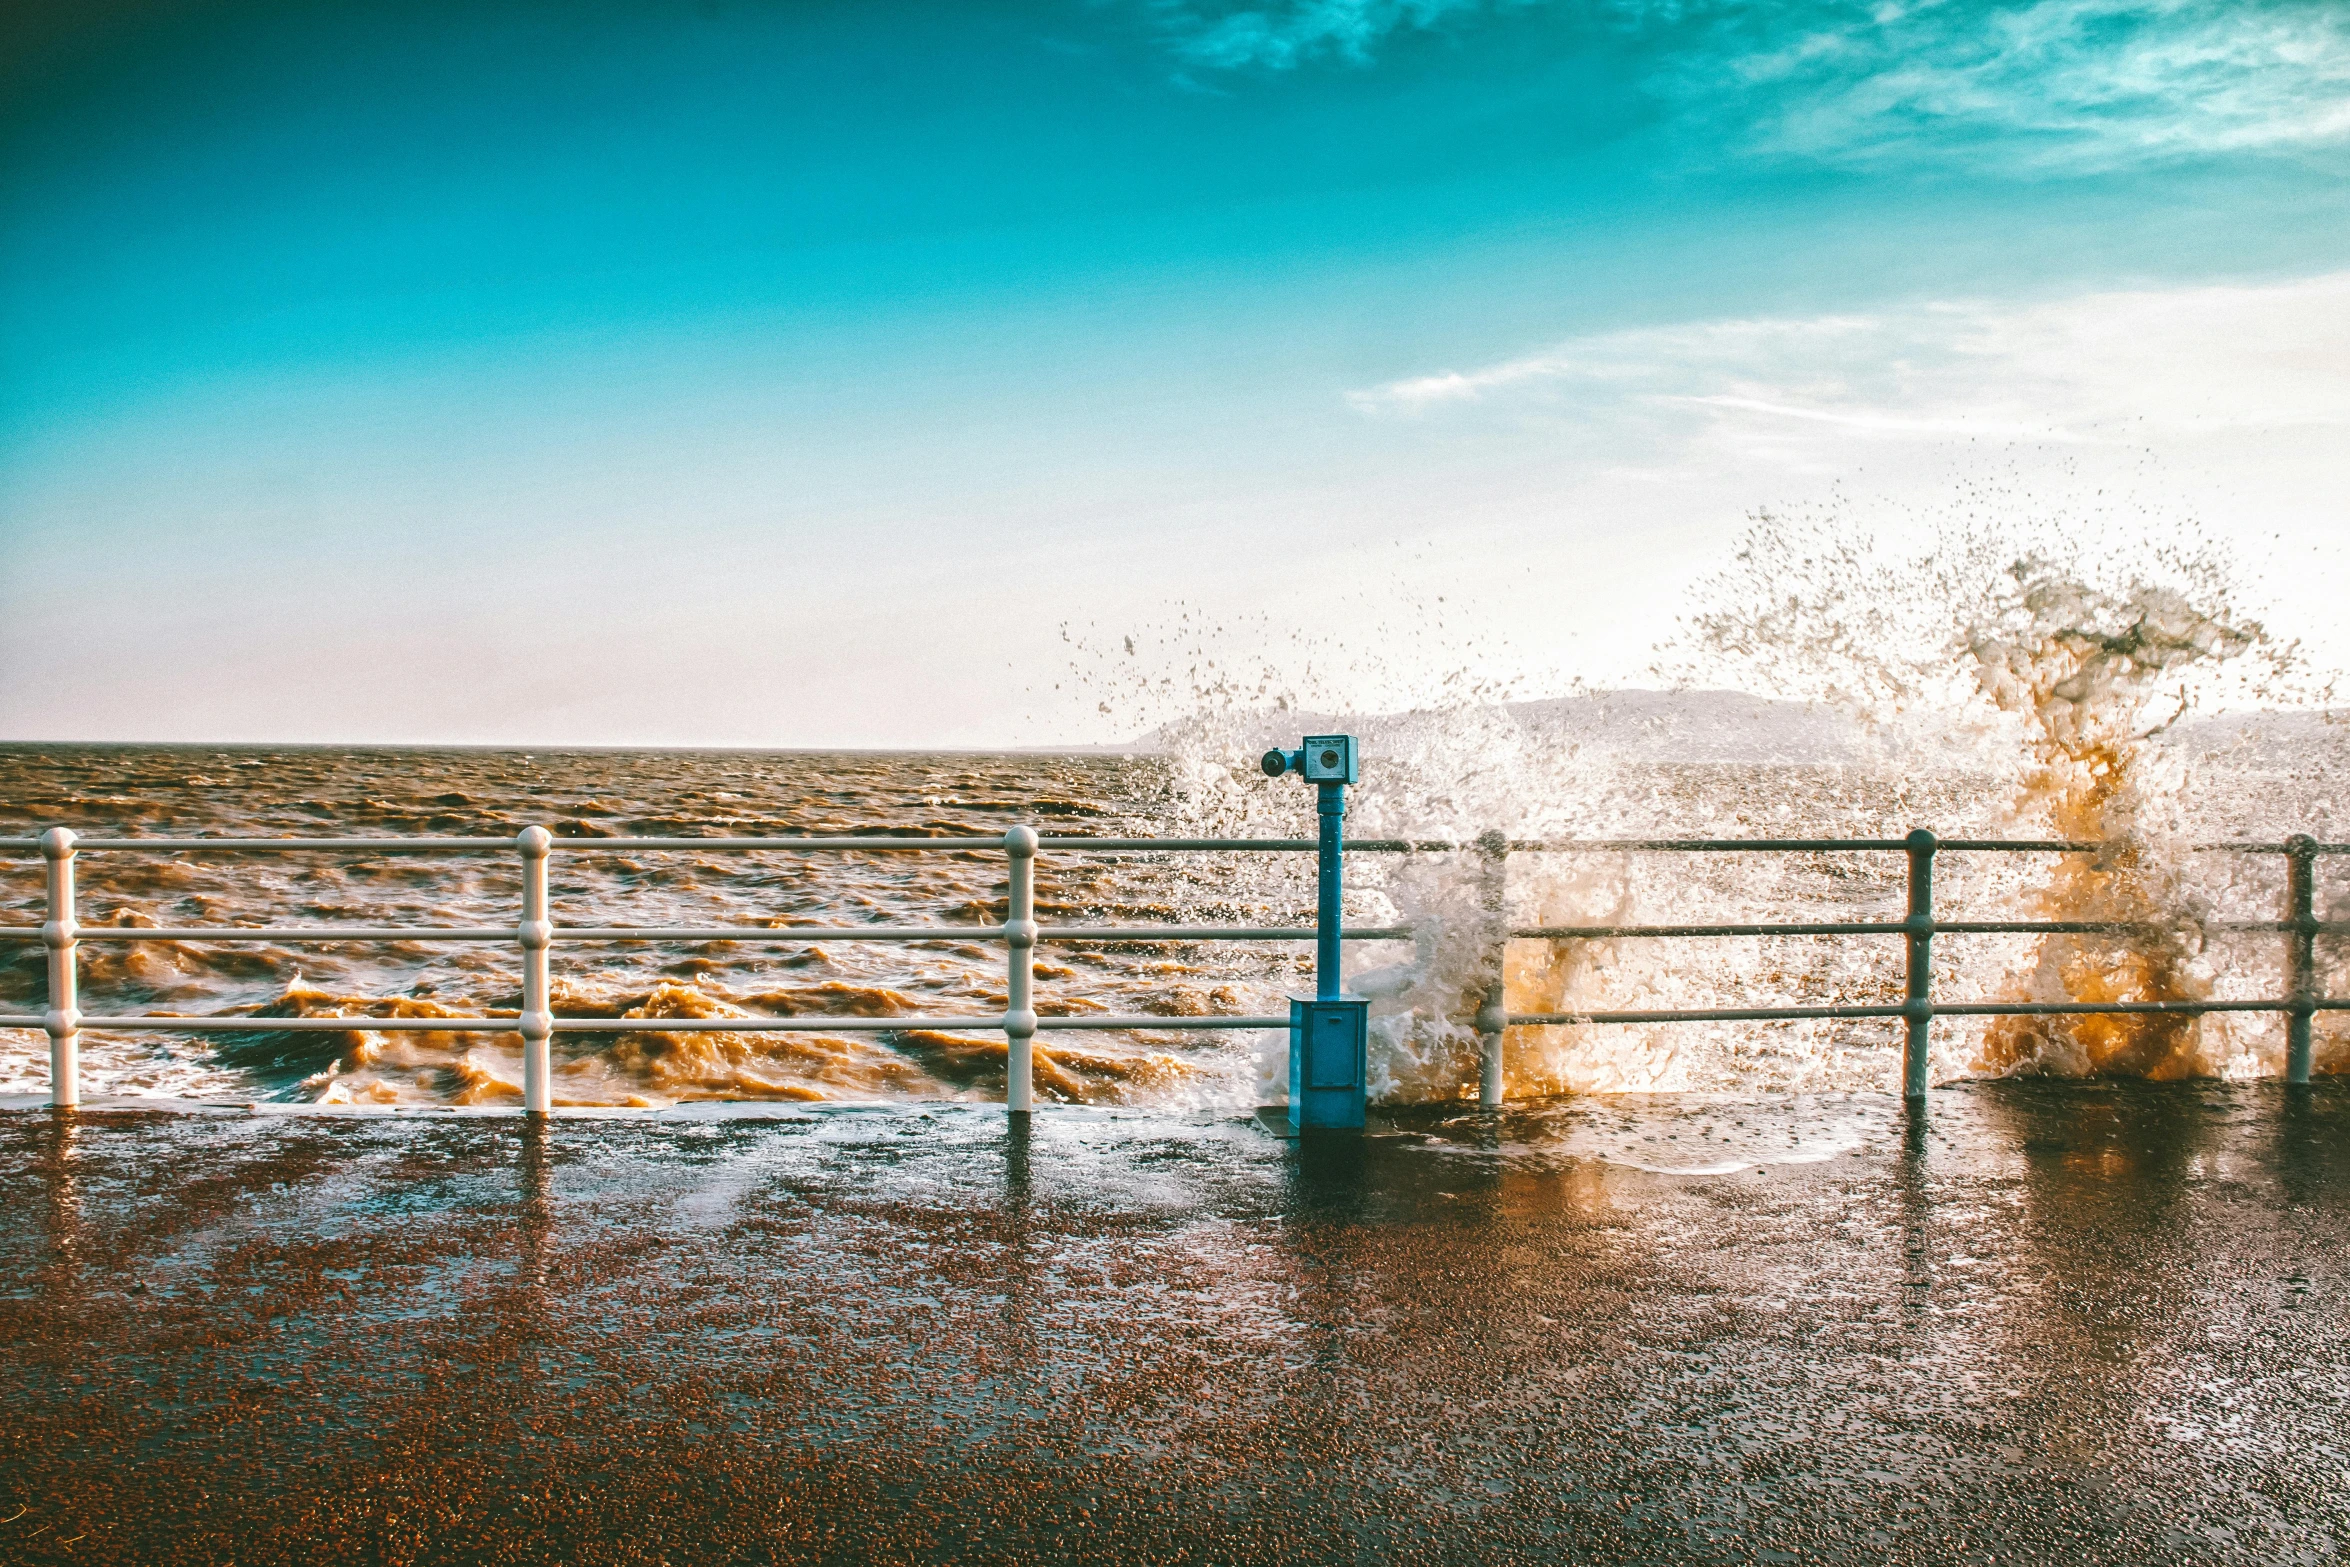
column 2080, row 1322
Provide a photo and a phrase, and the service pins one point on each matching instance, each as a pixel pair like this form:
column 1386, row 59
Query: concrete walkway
column 2077, row 1323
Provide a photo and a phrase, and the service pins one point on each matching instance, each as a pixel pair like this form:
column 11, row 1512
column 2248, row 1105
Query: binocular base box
column 1329, row 1062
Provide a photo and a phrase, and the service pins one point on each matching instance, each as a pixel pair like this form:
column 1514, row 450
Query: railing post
column 63, row 1022
column 2300, row 954
column 535, row 934
column 1493, row 1015
column 1917, row 1006
column 1020, row 973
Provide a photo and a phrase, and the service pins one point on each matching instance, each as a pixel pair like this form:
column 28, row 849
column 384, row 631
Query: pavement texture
column 2076, row 1322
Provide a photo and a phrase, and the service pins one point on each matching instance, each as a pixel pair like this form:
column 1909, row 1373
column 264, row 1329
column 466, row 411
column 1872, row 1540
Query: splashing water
column 1458, row 763
column 2083, row 669
column 2073, row 666
column 1995, row 682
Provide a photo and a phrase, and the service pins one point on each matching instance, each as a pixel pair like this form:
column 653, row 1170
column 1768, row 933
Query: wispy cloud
column 2104, row 368
column 2051, row 84
column 2059, row 83
column 1869, row 421
column 1626, row 361
column 1285, row 34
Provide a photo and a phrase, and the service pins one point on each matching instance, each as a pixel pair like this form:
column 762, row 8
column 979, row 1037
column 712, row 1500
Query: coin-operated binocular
column 1322, row 759
column 1329, row 1036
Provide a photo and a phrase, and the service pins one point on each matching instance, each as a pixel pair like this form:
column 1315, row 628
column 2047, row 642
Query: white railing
column 535, row 935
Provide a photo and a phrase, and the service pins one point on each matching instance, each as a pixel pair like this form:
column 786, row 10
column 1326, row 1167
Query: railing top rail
column 1916, row 926
column 1878, row 845
column 868, row 842
column 908, row 842
column 1698, row 845
column 385, row 844
column 1070, row 841
column 912, row 843
column 770, row 935
column 388, row 844
column 495, row 1023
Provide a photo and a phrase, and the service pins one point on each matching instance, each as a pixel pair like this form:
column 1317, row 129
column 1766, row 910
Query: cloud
column 1286, row 34
column 1870, row 422
column 1621, row 359
column 2032, row 84
column 2106, row 368
column 2052, row 83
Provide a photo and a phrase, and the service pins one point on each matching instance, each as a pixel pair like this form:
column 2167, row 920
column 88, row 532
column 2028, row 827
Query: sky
column 855, row 374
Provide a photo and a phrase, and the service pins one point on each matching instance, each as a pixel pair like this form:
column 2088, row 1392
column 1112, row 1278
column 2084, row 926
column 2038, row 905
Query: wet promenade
column 2076, row 1323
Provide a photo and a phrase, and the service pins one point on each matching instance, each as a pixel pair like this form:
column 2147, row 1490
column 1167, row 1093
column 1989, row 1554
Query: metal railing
column 1918, row 927
column 535, row 934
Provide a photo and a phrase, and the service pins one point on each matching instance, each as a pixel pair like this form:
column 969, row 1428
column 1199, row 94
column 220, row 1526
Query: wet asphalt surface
column 2070, row 1323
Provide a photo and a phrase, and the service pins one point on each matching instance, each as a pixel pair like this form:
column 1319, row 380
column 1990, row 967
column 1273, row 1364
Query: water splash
column 2055, row 664
column 1992, row 679
column 1454, row 760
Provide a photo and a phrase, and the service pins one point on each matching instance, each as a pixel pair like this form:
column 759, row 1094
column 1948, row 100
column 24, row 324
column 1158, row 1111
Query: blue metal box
column 1329, row 1062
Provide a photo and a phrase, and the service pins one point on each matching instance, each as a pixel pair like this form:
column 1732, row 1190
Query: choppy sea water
column 1426, row 991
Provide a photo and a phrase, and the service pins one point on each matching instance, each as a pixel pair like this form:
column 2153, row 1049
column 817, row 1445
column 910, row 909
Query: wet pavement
column 2103, row 1322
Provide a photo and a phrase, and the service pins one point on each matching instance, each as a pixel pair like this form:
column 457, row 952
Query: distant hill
column 1705, row 726
column 1732, row 726
column 2280, row 735
column 1696, row 726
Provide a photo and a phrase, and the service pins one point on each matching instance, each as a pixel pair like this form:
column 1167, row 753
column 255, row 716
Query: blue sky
column 789, row 374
